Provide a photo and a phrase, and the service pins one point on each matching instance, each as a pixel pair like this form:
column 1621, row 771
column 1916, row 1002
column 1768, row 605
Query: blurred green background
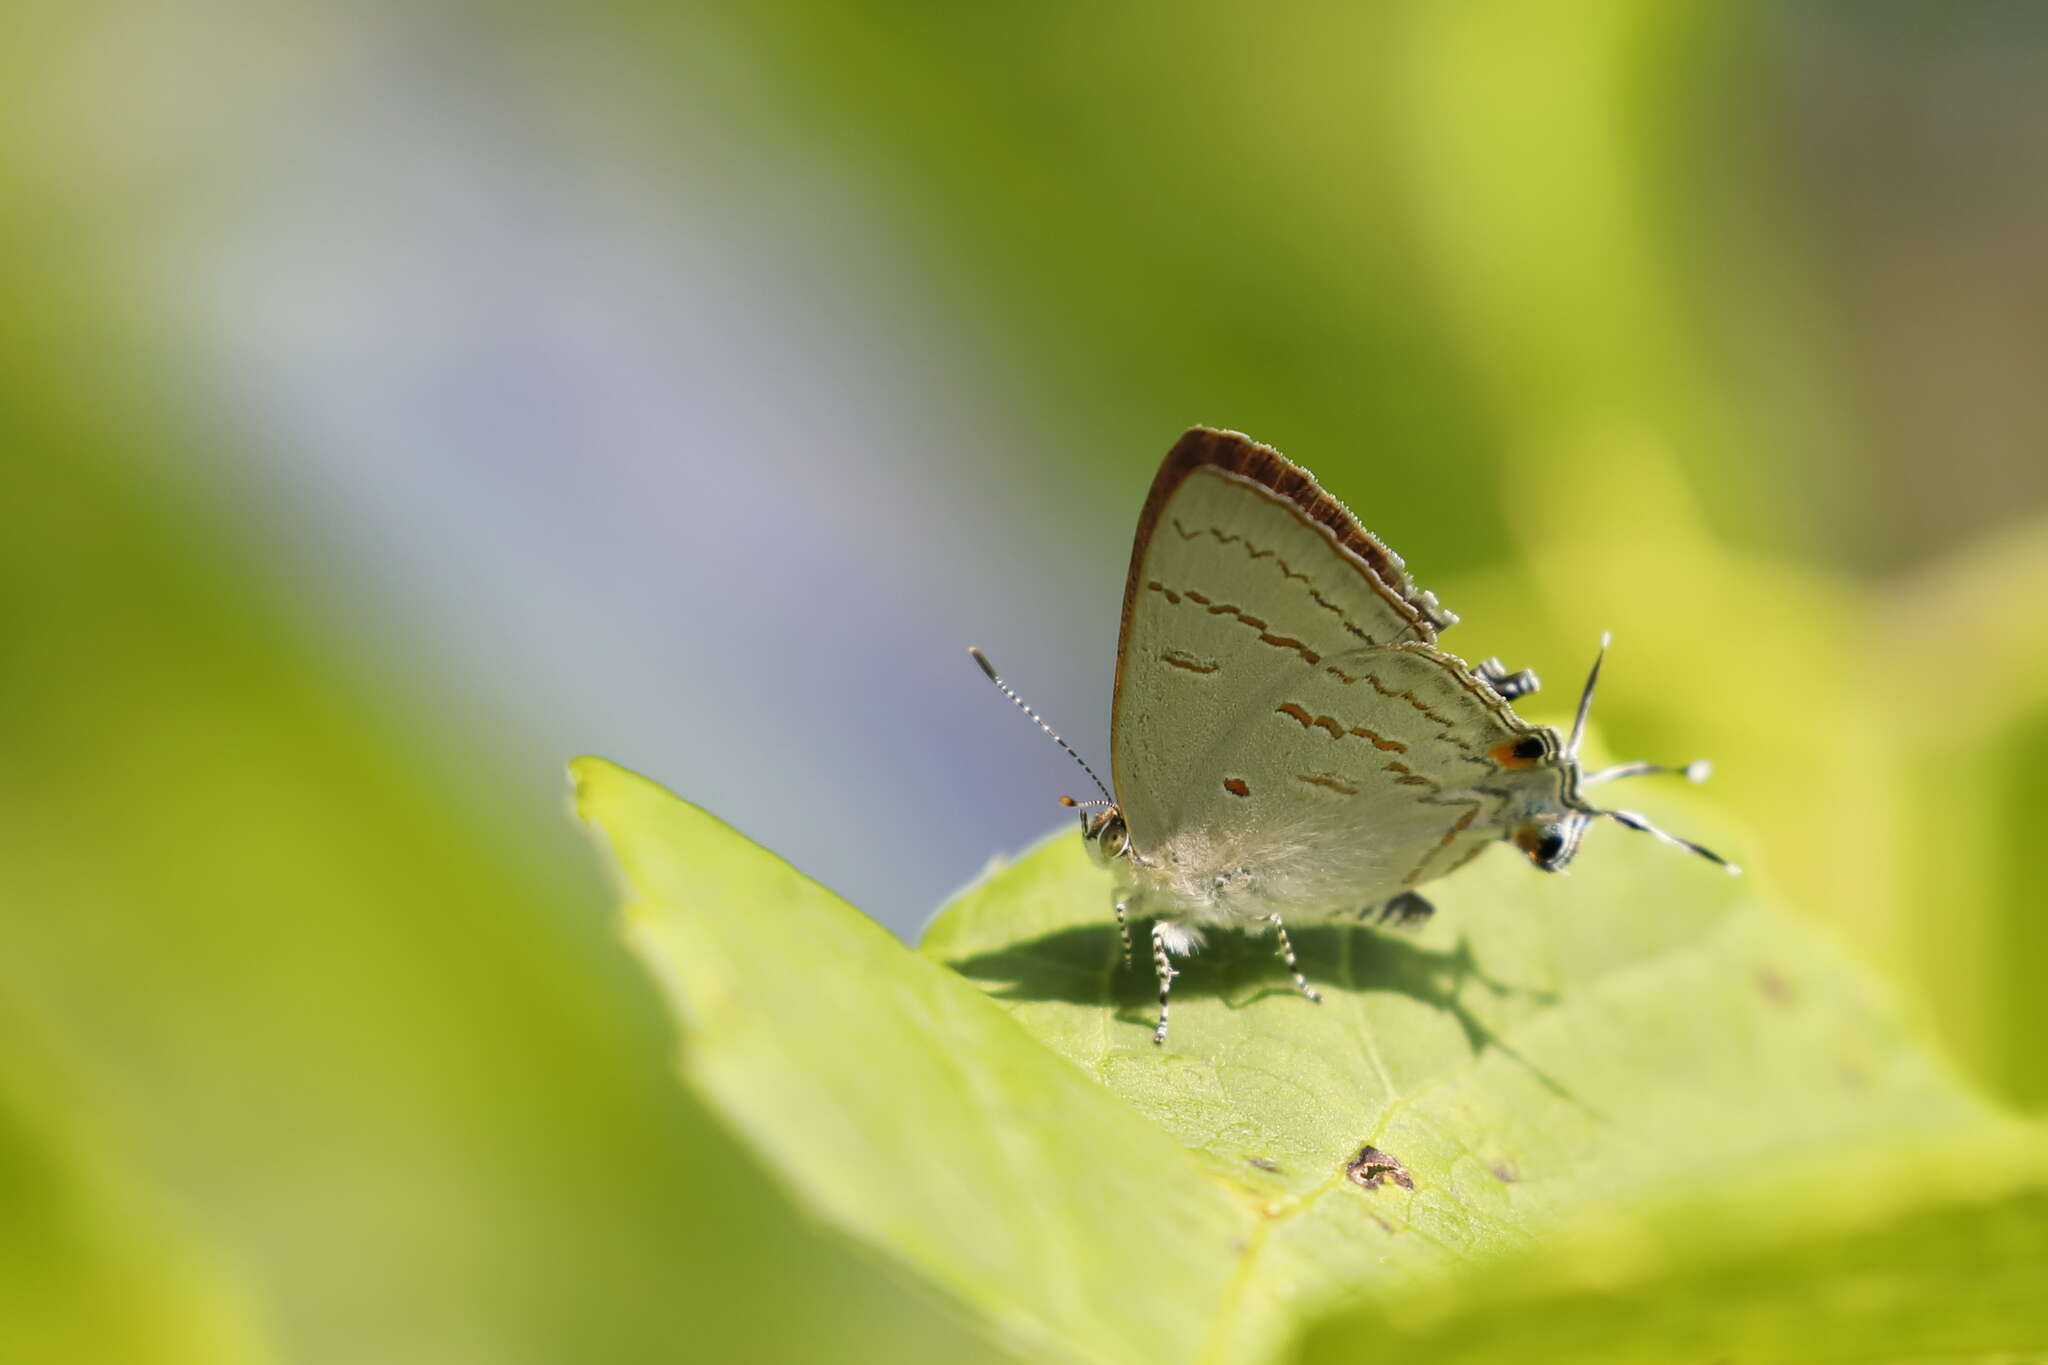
column 399, row 399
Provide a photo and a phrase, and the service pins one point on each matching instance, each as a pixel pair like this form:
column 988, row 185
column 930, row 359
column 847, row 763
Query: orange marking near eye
column 1236, row 786
column 1510, row 754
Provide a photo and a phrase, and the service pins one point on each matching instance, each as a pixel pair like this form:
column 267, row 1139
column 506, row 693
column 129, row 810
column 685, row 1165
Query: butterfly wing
column 1280, row 705
column 1387, row 767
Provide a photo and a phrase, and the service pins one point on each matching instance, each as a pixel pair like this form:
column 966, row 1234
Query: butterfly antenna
column 1638, row 822
column 1699, row 770
column 1571, row 747
column 1007, row 691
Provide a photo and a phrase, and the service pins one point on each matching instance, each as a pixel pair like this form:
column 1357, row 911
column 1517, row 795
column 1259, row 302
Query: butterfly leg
column 1287, row 956
column 1406, row 909
column 1163, row 964
column 1123, row 926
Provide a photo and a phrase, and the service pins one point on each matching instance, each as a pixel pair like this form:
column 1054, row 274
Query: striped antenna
column 1007, row 691
column 1571, row 747
column 1699, row 770
column 1642, row 823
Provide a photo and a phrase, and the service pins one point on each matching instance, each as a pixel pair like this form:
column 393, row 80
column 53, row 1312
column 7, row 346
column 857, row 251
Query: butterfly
column 1288, row 741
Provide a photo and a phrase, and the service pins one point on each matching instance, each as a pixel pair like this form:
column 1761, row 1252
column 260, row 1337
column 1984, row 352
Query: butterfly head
column 1104, row 832
column 1550, row 837
column 1550, row 840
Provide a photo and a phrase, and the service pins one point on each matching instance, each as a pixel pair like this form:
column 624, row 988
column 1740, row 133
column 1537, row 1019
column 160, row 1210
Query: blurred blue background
column 406, row 398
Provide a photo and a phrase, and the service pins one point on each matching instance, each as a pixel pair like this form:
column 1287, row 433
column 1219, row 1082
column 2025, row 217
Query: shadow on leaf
column 1083, row 966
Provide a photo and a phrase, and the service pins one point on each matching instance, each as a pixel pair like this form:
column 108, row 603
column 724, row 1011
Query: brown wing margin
column 1235, row 453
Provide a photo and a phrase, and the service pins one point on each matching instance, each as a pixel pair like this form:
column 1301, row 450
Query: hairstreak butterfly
column 1287, row 740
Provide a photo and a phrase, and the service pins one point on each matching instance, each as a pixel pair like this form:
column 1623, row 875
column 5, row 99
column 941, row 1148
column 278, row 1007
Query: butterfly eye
column 1109, row 838
column 1549, row 846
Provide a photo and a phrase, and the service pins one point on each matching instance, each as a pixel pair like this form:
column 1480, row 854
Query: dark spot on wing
column 1525, row 752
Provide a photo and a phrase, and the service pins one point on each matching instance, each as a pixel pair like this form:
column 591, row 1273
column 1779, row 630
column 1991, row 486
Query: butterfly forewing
column 1279, row 704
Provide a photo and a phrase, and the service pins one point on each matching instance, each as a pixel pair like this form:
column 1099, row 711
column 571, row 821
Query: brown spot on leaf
column 1263, row 1164
column 1776, row 988
column 1237, row 786
column 1505, row 1173
column 1372, row 1167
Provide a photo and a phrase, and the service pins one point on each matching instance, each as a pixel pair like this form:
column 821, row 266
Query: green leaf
column 1543, row 1051
column 1544, row 1047
column 1904, row 1253
column 902, row 1105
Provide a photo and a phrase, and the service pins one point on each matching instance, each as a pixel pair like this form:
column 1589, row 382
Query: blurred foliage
column 376, row 1063
column 1540, row 1057
column 91, row 1266
column 1408, row 243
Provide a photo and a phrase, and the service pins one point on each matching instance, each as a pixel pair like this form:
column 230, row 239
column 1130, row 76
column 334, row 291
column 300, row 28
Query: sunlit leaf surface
column 1544, row 1051
column 897, row 1100
column 1543, row 1047
column 1906, row 1252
